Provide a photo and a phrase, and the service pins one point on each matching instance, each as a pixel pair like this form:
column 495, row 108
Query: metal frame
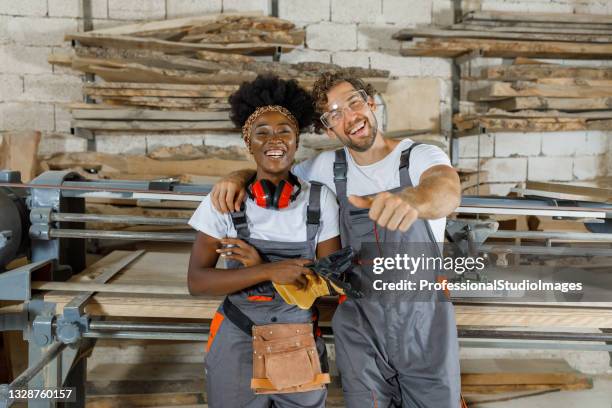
column 58, row 342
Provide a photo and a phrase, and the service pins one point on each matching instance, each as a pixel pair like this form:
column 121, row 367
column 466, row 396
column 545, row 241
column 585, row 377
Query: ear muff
column 283, row 194
column 267, row 195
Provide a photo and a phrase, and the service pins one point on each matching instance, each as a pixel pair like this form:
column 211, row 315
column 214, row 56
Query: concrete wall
column 33, row 93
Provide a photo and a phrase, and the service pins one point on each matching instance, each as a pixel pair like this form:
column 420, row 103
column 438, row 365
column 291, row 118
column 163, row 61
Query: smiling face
column 273, row 145
column 357, row 130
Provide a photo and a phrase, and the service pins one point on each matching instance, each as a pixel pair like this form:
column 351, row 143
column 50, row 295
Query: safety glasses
column 355, row 102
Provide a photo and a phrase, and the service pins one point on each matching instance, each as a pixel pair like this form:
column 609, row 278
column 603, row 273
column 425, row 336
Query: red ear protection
column 267, row 195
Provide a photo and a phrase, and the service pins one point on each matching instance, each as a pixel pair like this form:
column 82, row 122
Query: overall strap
column 239, row 220
column 235, row 315
column 405, row 166
column 313, row 211
column 340, row 170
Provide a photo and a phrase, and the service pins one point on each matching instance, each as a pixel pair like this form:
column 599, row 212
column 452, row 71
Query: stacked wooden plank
column 473, row 182
column 533, row 96
column 176, row 75
column 510, row 34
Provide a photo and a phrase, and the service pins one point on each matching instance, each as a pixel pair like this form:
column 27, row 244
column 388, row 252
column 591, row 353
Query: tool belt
column 285, row 357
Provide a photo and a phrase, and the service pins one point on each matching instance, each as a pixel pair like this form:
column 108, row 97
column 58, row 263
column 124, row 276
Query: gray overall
column 229, row 362
column 391, row 351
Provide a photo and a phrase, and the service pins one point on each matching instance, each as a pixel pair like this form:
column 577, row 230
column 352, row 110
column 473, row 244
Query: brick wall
column 357, row 32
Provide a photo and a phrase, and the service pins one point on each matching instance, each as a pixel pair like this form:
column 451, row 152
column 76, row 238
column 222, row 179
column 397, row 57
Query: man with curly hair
column 261, row 349
column 390, row 350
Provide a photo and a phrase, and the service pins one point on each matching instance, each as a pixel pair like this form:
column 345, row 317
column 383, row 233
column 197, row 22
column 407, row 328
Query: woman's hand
column 289, row 272
column 239, row 251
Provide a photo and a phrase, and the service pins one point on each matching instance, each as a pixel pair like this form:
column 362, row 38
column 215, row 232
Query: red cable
column 377, row 239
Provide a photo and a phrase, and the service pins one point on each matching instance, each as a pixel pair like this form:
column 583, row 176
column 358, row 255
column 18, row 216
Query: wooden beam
column 524, row 125
column 19, row 151
column 154, row 92
column 129, row 42
column 171, row 269
column 566, row 104
column 428, row 32
column 501, row 90
column 540, row 25
column 539, row 17
column 135, row 164
column 498, row 26
column 163, row 86
column 112, row 288
column 153, row 125
column 506, row 48
column 534, row 72
column 147, row 114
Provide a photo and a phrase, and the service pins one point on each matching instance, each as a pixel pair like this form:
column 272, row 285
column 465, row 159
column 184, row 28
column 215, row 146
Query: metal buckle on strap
column 240, row 220
column 404, row 159
column 339, row 171
column 312, row 217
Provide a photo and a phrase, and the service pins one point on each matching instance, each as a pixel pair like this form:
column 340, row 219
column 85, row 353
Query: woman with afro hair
column 262, row 349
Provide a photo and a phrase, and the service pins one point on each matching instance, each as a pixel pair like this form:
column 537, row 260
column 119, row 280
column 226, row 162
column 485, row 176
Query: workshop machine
column 45, row 222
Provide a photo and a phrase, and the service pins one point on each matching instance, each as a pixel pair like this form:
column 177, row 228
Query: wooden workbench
column 160, row 272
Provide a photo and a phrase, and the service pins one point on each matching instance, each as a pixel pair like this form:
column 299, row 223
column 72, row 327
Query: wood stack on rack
column 509, row 34
column 473, row 182
column 530, row 95
column 176, row 75
column 533, row 96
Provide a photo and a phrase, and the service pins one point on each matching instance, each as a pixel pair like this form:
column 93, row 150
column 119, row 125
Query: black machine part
column 336, row 268
column 14, row 226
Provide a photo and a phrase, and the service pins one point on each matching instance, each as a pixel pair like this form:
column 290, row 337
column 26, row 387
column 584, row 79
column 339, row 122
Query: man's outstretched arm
column 437, row 195
column 229, row 192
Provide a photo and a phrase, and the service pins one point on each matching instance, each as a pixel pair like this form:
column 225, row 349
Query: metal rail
column 117, row 219
column 128, row 235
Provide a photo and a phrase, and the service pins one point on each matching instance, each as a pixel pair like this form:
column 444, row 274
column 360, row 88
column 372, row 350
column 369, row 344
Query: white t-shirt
column 380, row 176
column 286, row 225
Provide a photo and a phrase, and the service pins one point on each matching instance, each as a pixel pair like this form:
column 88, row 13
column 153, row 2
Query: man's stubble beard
column 361, row 149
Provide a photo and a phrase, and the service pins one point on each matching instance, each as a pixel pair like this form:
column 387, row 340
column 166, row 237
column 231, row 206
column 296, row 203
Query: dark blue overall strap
column 405, row 166
column 235, row 315
column 313, row 211
column 239, row 220
column 340, row 170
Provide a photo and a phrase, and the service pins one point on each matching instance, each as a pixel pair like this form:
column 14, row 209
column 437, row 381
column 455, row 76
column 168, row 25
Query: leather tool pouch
column 285, row 359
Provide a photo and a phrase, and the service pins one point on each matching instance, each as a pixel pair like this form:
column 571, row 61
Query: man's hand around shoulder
column 228, row 193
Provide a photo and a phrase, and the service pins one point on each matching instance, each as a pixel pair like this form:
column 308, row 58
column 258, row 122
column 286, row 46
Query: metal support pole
column 117, row 219
column 128, row 235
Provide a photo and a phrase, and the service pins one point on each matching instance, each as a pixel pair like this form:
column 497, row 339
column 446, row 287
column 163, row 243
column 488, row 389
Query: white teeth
column 358, row 128
column 275, row 153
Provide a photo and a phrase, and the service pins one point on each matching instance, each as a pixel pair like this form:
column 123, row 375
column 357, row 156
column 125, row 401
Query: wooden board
column 492, row 376
column 127, row 113
column 134, row 164
column 513, row 371
column 19, row 151
column 129, row 42
column 114, row 71
column 540, row 25
column 429, row 32
column 501, row 90
column 538, row 17
column 499, row 26
column 529, row 113
column 524, row 125
column 533, row 72
column 572, row 192
column 154, row 92
column 152, row 125
column 171, row 87
column 566, row 104
column 451, row 48
column 171, row 269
